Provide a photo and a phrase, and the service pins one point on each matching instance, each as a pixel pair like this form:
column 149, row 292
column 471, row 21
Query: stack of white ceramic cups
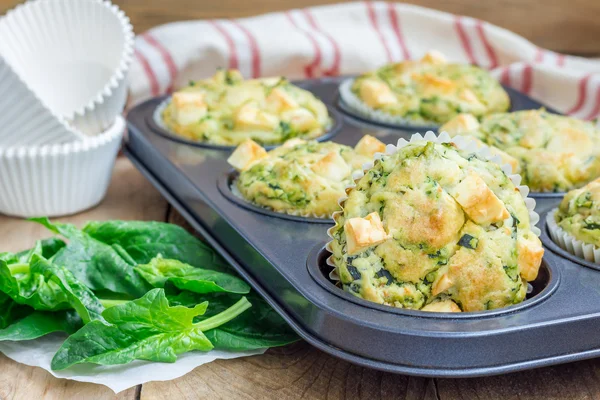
column 63, row 86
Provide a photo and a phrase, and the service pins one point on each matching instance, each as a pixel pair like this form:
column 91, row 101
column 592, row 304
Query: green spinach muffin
column 227, row 110
column 430, row 91
column 435, row 228
column 579, row 213
column 301, row 177
column 555, row 153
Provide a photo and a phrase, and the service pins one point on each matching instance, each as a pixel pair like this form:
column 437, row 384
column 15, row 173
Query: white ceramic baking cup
column 568, row 242
column 363, row 110
column 58, row 180
column 463, row 143
column 74, row 54
column 24, row 120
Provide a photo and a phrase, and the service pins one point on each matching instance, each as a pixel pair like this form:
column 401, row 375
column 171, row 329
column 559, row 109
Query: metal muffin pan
column 156, row 126
column 280, row 259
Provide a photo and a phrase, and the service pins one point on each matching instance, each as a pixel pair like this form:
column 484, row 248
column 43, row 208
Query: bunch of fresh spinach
column 131, row 290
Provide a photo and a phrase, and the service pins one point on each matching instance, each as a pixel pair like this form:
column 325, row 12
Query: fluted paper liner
column 463, row 143
column 74, row 54
column 570, row 243
column 58, row 180
column 24, row 119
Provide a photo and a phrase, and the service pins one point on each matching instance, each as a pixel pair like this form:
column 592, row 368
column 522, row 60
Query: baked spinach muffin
column 555, row 153
column 430, row 91
column 227, row 110
column 435, row 228
column 579, row 213
column 301, row 177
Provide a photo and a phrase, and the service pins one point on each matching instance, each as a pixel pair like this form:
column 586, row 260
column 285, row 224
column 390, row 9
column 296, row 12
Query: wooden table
column 298, row 371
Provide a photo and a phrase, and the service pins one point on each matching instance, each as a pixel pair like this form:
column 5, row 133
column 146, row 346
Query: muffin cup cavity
column 226, row 185
column 572, row 245
column 350, row 103
column 541, row 288
column 463, row 143
column 156, row 123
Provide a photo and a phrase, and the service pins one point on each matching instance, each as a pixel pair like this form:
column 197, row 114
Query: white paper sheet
column 39, row 353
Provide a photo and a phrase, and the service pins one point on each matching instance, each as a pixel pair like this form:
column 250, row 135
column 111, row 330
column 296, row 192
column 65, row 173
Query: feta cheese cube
column 368, row 146
column 462, row 123
column 362, row 233
column 478, row 201
column 279, row 100
column 332, row 166
column 188, row 107
column 376, row 93
column 529, row 256
column 442, row 306
column 434, row 57
column 246, row 154
column 251, row 117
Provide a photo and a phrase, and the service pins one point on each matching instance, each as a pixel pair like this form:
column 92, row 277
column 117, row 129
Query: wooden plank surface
column 569, row 26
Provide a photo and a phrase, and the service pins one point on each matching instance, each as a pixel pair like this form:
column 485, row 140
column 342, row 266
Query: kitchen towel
column 352, row 38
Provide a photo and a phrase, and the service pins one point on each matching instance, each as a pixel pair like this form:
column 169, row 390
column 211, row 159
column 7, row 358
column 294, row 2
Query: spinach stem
column 18, row 268
column 108, row 303
column 225, row 316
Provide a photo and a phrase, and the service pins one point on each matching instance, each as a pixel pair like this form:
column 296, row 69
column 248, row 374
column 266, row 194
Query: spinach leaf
column 47, row 287
column 11, row 311
column 145, row 329
column 159, row 271
column 47, row 248
column 145, row 240
column 258, row 328
column 40, row 323
column 98, row 265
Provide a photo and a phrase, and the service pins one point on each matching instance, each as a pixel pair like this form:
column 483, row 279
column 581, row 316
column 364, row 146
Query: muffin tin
column 284, row 260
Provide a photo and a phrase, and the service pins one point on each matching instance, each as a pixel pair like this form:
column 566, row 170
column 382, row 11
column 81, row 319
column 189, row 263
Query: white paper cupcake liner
column 58, row 180
column 568, row 242
column 74, row 54
column 463, row 143
column 363, row 110
column 24, row 120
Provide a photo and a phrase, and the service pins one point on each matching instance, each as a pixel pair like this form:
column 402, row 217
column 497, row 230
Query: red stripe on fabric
column 560, row 60
column 396, row 27
column 487, row 45
column 527, row 79
column 464, row 40
column 309, row 69
column 233, row 62
column 596, row 109
column 335, row 68
column 166, row 56
column 505, row 76
column 539, row 55
column 375, row 24
column 255, row 53
column 154, row 87
column 582, row 95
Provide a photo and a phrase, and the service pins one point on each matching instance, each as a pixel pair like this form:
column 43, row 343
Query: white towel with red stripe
column 352, row 38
